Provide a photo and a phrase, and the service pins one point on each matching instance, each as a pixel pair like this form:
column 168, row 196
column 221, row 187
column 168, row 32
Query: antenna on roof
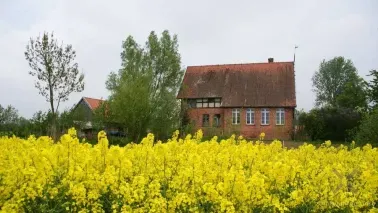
column 295, row 48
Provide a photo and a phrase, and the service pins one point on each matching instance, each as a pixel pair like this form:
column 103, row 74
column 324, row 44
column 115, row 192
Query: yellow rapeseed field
column 184, row 175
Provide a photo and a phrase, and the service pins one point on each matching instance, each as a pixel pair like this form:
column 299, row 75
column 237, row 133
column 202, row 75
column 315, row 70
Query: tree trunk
column 53, row 121
column 53, row 128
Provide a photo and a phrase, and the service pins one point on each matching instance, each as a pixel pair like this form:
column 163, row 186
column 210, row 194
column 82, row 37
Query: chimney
column 270, row 60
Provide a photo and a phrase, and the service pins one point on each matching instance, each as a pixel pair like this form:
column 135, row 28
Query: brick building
column 245, row 99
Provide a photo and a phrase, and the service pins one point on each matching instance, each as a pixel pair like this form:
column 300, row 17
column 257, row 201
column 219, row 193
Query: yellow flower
column 184, row 175
column 262, row 136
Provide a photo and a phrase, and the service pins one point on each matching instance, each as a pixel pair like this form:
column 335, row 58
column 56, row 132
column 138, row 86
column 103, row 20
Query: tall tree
column 143, row 92
column 128, row 103
column 334, row 78
column 373, row 88
column 56, row 71
column 164, row 61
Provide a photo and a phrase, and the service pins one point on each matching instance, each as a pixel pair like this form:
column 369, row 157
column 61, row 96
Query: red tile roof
column 93, row 103
column 242, row 85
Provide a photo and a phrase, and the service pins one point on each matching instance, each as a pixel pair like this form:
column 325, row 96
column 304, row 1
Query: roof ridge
column 93, row 98
column 253, row 63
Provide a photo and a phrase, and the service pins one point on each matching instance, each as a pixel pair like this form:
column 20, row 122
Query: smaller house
column 84, row 113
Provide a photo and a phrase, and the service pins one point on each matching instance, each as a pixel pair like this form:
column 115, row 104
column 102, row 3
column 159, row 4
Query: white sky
column 209, row 32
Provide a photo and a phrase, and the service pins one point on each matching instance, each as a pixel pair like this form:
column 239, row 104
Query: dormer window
column 206, row 102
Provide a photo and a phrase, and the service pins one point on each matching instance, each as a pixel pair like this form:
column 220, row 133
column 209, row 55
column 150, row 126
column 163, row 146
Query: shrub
column 368, row 130
column 330, row 123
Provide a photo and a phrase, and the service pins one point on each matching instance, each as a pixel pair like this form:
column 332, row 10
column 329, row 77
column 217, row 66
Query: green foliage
column 143, row 92
column 328, row 123
column 353, row 95
column 8, row 115
column 373, row 88
column 56, row 71
column 40, row 122
column 368, row 130
column 337, row 84
column 12, row 124
column 76, row 117
column 313, row 124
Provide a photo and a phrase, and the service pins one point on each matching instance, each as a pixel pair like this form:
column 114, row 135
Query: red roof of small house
column 242, row 85
column 93, row 103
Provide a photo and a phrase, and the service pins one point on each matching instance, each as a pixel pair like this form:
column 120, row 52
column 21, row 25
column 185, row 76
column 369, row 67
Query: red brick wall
column 272, row 131
column 195, row 115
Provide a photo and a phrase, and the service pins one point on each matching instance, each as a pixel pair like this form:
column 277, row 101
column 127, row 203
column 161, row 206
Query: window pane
column 264, row 116
column 205, row 120
column 199, row 105
column 278, row 117
column 264, row 119
column 216, row 120
column 191, row 103
column 205, row 104
column 249, row 116
column 283, row 117
column 211, row 104
column 217, row 104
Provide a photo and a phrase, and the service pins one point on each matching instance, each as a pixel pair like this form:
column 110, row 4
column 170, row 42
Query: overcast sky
column 209, row 32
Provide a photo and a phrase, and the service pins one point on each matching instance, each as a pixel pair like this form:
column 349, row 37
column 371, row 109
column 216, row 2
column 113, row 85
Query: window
column 280, row 117
column 236, row 116
column 205, row 120
column 191, row 103
column 264, row 117
column 207, row 102
column 216, row 120
column 217, row 102
column 199, row 103
column 250, row 116
column 202, row 102
column 211, row 102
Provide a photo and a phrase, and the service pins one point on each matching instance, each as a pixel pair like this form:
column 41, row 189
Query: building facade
column 244, row 99
column 84, row 114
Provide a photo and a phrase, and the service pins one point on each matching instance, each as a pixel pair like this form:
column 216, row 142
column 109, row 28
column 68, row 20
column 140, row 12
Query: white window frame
column 265, row 116
column 235, row 116
column 250, row 115
column 280, row 116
